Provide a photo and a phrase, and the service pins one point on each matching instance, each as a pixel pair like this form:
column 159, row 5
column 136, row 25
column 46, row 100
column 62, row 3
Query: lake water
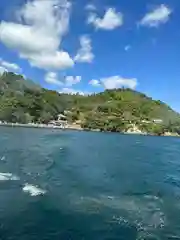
column 57, row 185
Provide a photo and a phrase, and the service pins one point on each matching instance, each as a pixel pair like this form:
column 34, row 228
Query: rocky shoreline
column 79, row 128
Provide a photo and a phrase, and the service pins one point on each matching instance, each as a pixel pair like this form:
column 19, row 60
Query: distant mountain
column 112, row 110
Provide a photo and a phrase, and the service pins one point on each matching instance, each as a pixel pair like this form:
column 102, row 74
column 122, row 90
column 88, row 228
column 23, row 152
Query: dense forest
column 23, row 101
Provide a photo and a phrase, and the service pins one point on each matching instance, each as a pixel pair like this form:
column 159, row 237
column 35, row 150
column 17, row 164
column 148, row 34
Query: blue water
column 82, row 185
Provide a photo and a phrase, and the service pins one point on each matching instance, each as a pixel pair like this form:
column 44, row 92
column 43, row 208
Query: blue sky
column 88, row 46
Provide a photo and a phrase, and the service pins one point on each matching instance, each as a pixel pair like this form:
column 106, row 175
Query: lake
column 72, row 185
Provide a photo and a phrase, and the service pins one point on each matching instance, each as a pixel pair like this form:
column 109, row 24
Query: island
column 23, row 102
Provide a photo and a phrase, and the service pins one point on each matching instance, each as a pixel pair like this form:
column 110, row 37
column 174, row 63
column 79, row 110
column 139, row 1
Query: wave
column 3, row 158
column 8, row 176
column 33, row 190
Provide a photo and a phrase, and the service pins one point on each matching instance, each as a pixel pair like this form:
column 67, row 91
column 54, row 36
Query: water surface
column 80, row 185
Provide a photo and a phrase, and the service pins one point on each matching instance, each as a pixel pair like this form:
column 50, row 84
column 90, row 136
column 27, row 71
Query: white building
column 157, row 120
column 60, row 122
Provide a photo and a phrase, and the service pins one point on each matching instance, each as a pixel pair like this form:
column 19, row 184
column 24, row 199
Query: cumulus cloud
column 111, row 20
column 38, row 34
column 159, row 15
column 95, row 83
column 52, row 78
column 9, row 66
column 90, row 7
column 2, row 70
column 72, row 91
column 71, row 80
column 57, row 60
column 118, row 81
column 84, row 54
column 115, row 82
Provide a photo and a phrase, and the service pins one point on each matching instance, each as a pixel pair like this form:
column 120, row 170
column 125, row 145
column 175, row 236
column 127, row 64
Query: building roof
column 61, row 116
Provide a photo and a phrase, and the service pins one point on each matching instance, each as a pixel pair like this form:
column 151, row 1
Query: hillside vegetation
column 24, row 101
column 118, row 109
column 112, row 110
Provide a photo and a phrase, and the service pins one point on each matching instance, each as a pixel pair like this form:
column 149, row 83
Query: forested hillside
column 114, row 110
column 24, row 101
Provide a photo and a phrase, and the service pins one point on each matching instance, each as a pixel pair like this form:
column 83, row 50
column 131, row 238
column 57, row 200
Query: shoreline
column 35, row 125
column 79, row 128
column 40, row 125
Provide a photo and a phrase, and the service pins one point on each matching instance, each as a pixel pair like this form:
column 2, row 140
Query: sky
column 86, row 46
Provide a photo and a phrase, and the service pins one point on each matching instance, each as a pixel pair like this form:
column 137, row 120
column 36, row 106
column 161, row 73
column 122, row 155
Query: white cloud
column 158, row 16
column 72, row 91
column 38, row 35
column 114, row 82
column 84, row 54
column 57, row 60
column 111, row 20
column 10, row 66
column 118, row 82
column 127, row 48
column 52, row 78
column 95, row 83
column 90, row 7
column 2, row 70
column 70, row 80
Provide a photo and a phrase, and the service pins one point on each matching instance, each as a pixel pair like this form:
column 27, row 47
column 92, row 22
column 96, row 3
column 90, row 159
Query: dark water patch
column 61, row 225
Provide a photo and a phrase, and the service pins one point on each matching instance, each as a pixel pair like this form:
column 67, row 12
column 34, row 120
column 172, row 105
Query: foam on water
column 8, row 176
column 33, row 190
column 144, row 213
column 3, row 158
